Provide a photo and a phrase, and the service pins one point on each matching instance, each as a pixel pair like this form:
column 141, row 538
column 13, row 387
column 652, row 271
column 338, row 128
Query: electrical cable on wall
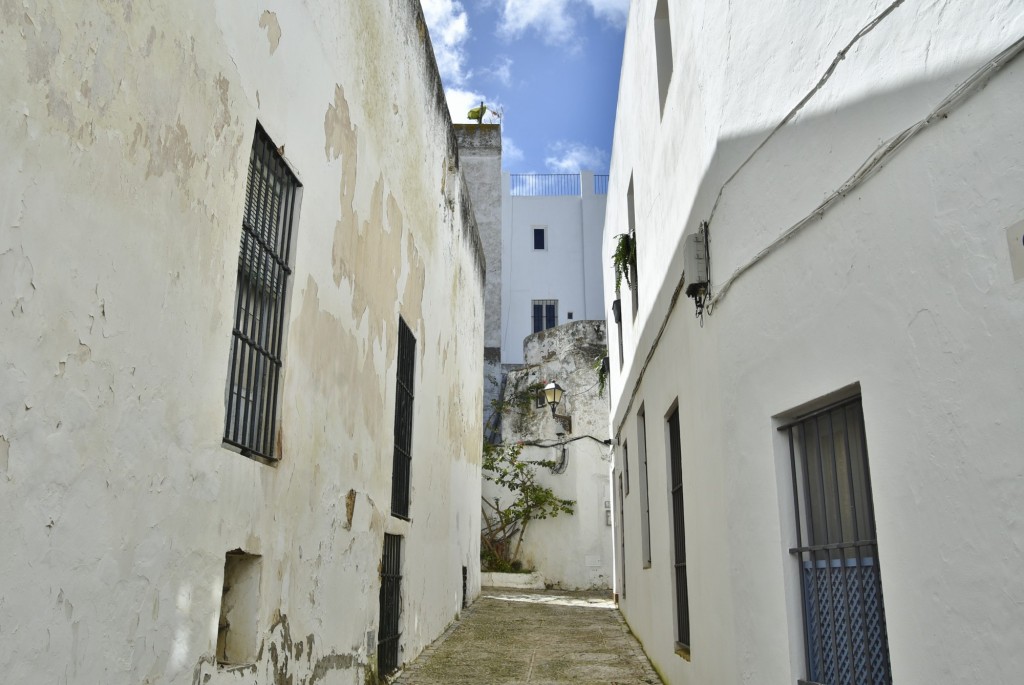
column 871, row 165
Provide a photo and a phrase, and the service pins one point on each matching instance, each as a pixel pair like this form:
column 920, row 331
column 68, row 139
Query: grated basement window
column 845, row 639
column 390, row 604
column 260, row 296
column 403, row 421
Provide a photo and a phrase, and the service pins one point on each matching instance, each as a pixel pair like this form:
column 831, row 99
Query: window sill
column 235, row 668
column 249, row 454
column 683, row 651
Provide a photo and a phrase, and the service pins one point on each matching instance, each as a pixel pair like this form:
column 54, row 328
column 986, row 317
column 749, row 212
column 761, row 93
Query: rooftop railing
column 534, row 185
column 543, row 185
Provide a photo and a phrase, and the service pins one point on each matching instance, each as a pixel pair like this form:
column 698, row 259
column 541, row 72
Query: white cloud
column 449, row 30
column 510, row 151
column 549, row 17
column 570, row 158
column 555, row 20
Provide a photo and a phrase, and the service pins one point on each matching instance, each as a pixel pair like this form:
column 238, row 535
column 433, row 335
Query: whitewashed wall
column 903, row 286
column 570, row 551
column 567, row 270
column 127, row 131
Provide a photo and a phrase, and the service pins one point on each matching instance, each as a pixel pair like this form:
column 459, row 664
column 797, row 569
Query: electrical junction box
column 695, row 264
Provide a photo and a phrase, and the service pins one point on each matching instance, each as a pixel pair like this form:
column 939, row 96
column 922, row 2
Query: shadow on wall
column 789, row 176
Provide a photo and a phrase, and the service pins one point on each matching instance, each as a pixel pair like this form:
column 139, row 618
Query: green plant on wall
column 623, row 258
column 504, row 526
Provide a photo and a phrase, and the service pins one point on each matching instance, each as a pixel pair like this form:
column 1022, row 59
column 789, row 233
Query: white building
column 551, row 254
column 569, row 551
column 241, row 318
column 847, row 419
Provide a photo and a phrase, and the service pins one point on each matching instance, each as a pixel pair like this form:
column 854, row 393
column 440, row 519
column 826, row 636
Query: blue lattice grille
column 846, row 626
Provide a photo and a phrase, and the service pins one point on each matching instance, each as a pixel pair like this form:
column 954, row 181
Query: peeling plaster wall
column 904, row 286
column 127, row 135
column 572, row 552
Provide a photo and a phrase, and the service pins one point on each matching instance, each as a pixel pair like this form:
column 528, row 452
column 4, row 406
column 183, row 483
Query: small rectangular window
column 405, row 375
column 539, row 238
column 545, row 315
column 264, row 269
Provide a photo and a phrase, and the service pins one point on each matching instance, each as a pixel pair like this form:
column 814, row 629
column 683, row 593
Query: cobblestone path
column 541, row 637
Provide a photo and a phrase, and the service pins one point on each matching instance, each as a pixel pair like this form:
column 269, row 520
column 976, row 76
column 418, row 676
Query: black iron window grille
column 545, row 315
column 388, row 634
column 403, row 421
column 679, row 532
column 254, row 371
column 845, row 639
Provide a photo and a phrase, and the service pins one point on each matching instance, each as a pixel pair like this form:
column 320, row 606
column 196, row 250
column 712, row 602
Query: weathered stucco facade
column 569, row 551
column 127, row 134
column 480, row 161
column 859, row 164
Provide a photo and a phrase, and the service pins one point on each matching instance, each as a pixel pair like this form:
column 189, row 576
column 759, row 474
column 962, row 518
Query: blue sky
column 551, row 67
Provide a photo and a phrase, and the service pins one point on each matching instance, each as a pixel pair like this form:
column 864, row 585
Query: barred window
column 403, row 421
column 845, row 639
column 545, row 315
column 263, row 269
column 675, row 452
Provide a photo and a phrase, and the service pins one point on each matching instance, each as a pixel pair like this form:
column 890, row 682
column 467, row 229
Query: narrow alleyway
column 510, row 637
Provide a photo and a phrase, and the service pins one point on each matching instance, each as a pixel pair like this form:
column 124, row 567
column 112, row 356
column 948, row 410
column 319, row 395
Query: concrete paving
column 541, row 637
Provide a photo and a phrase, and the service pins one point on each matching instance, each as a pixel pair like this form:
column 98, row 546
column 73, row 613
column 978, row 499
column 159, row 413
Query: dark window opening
column 388, row 634
column 678, row 531
column 402, row 465
column 264, row 268
column 539, row 242
column 845, row 638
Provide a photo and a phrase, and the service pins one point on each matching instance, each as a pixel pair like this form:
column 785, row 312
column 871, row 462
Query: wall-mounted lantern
column 553, row 395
